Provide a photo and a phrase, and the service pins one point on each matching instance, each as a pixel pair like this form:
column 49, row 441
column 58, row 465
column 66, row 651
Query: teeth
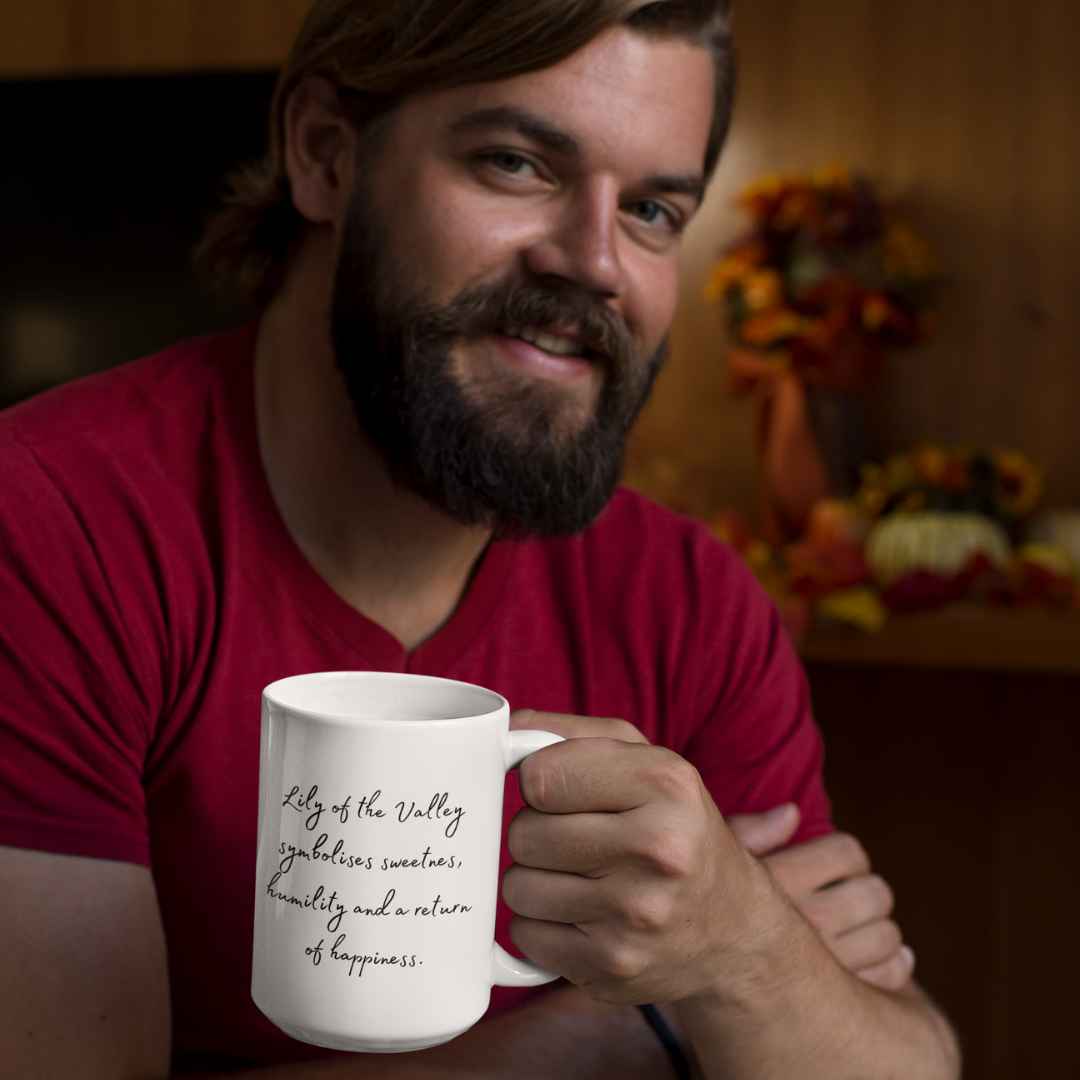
column 559, row 346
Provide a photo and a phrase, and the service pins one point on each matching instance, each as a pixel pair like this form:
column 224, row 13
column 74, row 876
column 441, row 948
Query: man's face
column 508, row 275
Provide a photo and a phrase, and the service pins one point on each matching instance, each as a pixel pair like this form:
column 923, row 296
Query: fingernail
column 908, row 955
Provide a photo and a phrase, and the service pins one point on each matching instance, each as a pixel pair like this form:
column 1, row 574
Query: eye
column 655, row 214
column 509, row 162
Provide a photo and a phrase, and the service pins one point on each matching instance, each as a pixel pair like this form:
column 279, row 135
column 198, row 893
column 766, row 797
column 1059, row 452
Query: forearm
column 561, row 1032
column 809, row 1017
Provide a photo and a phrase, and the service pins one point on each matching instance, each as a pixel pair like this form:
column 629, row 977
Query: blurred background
column 870, row 395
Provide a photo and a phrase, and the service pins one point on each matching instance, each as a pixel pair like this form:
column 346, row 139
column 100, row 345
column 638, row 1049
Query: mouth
column 550, row 352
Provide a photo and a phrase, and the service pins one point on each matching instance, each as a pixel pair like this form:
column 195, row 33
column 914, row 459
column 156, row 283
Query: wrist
column 771, row 950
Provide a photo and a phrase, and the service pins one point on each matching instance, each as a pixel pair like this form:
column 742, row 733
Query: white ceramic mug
column 380, row 822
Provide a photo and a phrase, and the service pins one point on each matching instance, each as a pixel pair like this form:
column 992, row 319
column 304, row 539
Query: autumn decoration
column 825, row 283
column 926, row 528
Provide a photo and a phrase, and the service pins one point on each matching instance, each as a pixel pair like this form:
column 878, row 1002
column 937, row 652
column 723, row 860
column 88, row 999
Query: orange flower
column 931, row 464
column 764, row 190
column 907, row 255
column 799, row 207
column 1020, row 483
column 832, row 176
column 763, row 289
column 770, row 327
column 732, row 270
column 876, row 311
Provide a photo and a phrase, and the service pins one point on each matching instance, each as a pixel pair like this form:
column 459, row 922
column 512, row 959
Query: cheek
column 452, row 240
column 653, row 301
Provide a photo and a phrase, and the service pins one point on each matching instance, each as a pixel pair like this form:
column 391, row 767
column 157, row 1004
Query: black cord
column 655, row 1020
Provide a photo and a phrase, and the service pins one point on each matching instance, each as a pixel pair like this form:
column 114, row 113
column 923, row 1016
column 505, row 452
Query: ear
column 320, row 149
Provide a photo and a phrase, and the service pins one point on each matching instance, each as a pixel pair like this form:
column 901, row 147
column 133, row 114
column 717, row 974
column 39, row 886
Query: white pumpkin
column 940, row 542
column 1060, row 529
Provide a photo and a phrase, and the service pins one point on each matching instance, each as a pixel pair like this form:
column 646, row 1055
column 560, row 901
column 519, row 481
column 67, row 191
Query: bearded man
column 464, row 245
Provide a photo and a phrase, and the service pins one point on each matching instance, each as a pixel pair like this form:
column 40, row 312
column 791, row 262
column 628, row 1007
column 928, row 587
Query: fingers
column 848, row 905
column 569, row 843
column 571, row 899
column 551, row 897
column 808, row 867
column 869, row 946
column 575, row 727
column 894, row 973
column 593, row 844
column 763, row 833
column 603, row 775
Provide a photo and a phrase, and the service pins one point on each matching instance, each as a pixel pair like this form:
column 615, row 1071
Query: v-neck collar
column 329, row 614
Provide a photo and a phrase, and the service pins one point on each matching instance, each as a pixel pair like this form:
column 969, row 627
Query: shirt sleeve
column 759, row 745
column 74, row 708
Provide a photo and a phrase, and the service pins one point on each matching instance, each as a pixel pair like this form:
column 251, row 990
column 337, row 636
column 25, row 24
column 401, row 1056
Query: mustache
column 508, row 307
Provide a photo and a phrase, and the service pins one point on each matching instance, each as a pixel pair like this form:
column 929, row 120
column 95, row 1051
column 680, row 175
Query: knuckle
column 511, row 886
column 883, row 894
column 667, row 853
column 648, row 914
column 889, row 937
column 671, row 775
column 539, row 781
column 873, row 898
column 621, row 962
column 894, row 974
column 519, row 837
column 624, row 731
column 849, row 853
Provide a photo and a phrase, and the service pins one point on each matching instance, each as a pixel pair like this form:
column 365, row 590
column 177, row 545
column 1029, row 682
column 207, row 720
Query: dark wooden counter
column 959, row 638
column 953, row 752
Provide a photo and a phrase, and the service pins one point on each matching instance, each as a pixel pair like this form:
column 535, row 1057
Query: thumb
column 762, row 833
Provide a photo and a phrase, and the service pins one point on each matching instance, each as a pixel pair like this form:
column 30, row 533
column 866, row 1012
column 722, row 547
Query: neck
column 384, row 550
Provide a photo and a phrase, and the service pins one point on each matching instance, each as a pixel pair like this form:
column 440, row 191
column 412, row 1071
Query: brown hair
column 381, row 51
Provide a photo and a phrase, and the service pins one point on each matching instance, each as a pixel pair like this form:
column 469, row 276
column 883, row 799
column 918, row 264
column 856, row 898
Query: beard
column 501, row 450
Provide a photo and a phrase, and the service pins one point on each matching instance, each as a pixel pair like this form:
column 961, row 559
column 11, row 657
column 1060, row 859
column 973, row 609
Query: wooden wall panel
column 35, row 39
column 966, row 112
column 76, row 37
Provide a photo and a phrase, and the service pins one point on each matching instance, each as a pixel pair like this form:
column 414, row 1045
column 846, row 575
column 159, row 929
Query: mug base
column 329, row 1040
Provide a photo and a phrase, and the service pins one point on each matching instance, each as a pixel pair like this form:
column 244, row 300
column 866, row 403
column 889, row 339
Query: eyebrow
column 561, row 142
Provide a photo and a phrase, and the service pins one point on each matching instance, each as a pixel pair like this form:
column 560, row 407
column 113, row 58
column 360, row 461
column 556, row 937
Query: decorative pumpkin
column 1059, row 529
column 942, row 544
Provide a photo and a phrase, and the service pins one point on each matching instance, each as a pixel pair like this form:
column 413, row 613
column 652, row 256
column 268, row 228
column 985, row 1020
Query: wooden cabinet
column 83, row 37
column 960, row 775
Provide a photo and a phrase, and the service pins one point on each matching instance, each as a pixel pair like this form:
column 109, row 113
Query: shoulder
column 104, row 407
column 126, row 441
column 637, row 541
column 645, row 573
column 102, row 519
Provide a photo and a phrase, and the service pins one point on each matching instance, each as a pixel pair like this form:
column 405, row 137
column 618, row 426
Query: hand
column 627, row 881
column 829, row 881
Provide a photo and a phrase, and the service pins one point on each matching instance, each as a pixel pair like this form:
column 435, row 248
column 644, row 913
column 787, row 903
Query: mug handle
column 507, row 970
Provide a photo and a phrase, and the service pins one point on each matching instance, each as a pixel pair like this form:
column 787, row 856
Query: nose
column 580, row 244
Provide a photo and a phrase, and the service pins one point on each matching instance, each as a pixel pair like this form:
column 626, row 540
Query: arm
column 630, row 883
column 797, row 1013
column 84, row 992
column 829, row 880
column 83, row 987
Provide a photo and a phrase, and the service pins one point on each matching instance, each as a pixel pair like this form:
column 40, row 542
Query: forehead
column 628, row 99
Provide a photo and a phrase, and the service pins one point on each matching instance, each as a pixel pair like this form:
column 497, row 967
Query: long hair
column 381, row 51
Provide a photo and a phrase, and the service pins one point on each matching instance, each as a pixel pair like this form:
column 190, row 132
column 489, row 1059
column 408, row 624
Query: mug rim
column 272, row 693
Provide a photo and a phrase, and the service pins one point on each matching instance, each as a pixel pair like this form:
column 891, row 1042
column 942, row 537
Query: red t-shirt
column 149, row 590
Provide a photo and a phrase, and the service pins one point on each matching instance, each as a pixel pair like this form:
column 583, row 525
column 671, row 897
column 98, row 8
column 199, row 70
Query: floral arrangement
column 826, row 279
column 927, row 528
column 1002, row 485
